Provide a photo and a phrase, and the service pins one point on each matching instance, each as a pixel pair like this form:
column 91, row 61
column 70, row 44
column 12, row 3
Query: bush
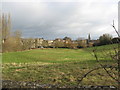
column 116, row 40
column 105, row 39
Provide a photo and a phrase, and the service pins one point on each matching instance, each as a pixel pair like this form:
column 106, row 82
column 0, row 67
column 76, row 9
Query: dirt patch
column 21, row 84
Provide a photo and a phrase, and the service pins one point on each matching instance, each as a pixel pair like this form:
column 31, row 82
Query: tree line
column 12, row 41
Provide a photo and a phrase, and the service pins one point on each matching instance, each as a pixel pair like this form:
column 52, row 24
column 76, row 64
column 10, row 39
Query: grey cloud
column 50, row 20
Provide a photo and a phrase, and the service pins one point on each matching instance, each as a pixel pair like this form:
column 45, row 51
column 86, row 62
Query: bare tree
column 6, row 26
column 10, row 42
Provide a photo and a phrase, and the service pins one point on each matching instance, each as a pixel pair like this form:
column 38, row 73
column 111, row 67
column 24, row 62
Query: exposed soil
column 20, row 84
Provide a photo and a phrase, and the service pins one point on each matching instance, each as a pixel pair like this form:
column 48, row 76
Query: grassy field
column 57, row 66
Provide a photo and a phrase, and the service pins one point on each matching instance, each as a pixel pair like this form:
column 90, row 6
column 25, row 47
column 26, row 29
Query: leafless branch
column 112, row 55
column 115, row 29
column 85, row 75
column 104, row 67
column 88, row 73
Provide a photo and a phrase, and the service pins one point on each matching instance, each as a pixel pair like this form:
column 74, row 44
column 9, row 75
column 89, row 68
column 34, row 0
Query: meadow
column 62, row 67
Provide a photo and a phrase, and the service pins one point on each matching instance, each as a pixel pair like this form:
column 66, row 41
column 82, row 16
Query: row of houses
column 58, row 42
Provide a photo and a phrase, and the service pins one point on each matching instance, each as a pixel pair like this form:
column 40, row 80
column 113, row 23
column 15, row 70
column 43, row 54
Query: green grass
column 47, row 55
column 57, row 66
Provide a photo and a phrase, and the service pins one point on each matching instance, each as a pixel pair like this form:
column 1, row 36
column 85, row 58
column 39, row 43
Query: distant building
column 89, row 38
column 38, row 42
column 67, row 40
column 33, row 43
column 58, row 39
column 50, row 42
column 59, row 43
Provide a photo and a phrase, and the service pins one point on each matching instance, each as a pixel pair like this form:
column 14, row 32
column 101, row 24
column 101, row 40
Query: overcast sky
column 57, row 18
